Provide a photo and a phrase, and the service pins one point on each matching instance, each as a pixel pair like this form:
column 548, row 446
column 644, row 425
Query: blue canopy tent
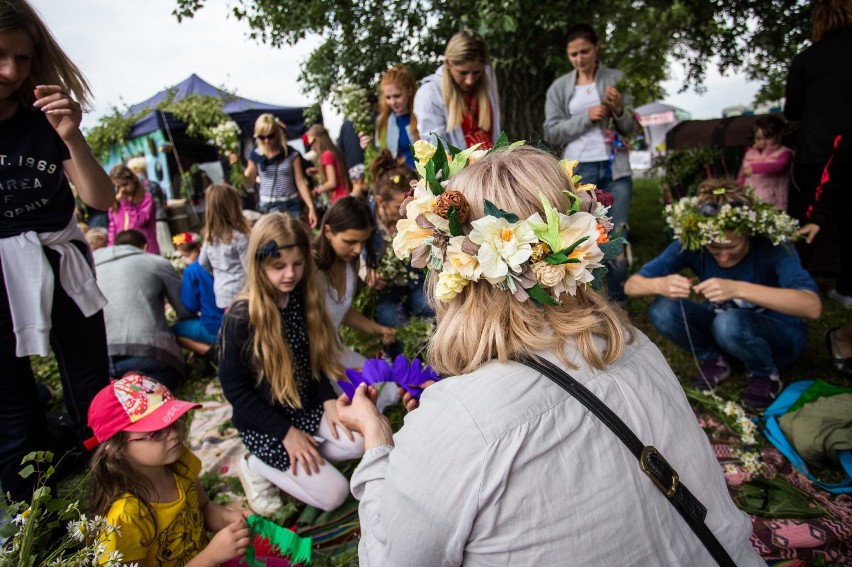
column 156, row 131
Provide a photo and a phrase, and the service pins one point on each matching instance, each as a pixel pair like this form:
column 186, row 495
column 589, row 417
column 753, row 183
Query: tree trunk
column 522, row 97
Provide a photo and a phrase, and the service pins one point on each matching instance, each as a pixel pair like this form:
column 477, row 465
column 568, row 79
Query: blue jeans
column 597, row 172
column 195, row 330
column 761, row 341
column 162, row 373
column 80, row 346
column 396, row 305
column 291, row 206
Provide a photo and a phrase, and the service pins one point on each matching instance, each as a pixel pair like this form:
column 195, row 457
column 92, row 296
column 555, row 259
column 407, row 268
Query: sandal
column 841, row 364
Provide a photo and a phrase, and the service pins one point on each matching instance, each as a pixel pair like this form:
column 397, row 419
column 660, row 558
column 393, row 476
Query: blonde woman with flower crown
column 498, row 465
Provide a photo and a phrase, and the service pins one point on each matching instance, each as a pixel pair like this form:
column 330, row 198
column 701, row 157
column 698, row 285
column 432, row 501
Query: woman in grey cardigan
column 576, row 116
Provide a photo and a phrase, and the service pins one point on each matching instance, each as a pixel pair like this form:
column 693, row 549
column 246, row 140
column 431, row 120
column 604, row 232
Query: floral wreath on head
column 695, row 228
column 535, row 258
column 186, row 238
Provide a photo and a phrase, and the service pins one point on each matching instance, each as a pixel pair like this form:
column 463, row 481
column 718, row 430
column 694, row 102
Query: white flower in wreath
column 503, row 246
column 460, row 262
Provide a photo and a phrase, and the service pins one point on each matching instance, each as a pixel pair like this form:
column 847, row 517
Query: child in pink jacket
column 134, row 208
column 766, row 165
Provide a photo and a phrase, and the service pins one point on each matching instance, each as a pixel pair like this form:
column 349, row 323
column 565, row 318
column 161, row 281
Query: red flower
column 604, row 198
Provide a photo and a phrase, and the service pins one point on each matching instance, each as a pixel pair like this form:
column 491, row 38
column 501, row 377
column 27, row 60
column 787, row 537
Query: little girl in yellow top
column 145, row 481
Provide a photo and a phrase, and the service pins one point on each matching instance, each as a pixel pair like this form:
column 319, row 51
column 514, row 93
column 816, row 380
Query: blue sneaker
column 710, row 373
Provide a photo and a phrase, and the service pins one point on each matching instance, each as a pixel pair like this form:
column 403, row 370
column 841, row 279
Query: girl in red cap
column 145, row 481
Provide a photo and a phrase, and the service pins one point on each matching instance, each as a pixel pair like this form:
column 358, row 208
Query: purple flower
column 377, row 370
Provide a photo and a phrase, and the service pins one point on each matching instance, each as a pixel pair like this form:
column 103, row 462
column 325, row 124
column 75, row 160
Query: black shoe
column 842, row 365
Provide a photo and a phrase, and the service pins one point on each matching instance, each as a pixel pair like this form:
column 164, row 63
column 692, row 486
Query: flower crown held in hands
column 697, row 225
column 534, row 258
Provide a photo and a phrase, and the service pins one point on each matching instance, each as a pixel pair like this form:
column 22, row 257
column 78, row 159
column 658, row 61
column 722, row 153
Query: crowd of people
column 491, row 457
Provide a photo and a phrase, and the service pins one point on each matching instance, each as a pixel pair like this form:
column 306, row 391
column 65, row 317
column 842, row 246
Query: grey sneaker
column 263, row 497
column 710, row 373
column 762, row 390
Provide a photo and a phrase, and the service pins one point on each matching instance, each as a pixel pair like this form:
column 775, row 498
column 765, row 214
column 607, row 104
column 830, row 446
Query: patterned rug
column 787, row 542
column 812, row 541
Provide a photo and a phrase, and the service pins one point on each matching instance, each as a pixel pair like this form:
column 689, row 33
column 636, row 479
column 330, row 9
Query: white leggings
column 325, row 490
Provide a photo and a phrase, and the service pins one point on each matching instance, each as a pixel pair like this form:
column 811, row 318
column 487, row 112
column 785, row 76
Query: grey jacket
column 431, row 112
column 136, row 284
column 561, row 128
column 503, row 467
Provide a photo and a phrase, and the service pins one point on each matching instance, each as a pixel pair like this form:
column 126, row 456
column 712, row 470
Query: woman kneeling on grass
column 498, row 464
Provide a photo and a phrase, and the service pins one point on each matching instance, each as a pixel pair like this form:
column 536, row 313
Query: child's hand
column 229, row 542
column 747, row 170
column 230, row 516
column 388, row 335
column 330, row 408
column 62, row 112
column 302, row 448
column 809, row 231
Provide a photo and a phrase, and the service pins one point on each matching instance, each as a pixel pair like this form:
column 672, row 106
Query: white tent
column 657, row 118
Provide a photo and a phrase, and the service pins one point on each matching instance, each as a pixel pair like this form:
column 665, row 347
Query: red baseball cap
column 133, row 403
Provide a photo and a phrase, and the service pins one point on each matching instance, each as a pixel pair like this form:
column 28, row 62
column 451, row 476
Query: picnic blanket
column 827, row 538
column 216, row 443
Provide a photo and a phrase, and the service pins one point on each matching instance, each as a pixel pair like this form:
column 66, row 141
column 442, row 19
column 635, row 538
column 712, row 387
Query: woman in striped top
column 282, row 180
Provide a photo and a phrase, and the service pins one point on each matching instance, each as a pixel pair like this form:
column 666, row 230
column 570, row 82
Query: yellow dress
column 180, row 533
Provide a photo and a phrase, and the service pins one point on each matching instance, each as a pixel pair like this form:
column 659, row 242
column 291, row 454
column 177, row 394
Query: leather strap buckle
column 653, row 472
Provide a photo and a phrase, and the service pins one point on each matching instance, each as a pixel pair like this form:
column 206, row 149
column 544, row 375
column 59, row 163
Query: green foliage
column 111, row 130
column 684, row 170
column 362, row 39
column 49, row 530
column 200, row 113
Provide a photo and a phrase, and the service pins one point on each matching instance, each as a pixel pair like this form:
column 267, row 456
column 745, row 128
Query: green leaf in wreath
column 432, row 179
column 494, row 211
column 455, row 225
column 540, row 296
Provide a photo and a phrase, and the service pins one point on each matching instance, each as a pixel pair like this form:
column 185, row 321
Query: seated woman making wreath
column 499, row 465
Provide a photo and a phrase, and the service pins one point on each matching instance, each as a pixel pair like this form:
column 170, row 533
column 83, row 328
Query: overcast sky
column 131, row 49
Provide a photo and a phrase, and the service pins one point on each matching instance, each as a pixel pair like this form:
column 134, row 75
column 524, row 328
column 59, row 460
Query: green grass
column 649, row 237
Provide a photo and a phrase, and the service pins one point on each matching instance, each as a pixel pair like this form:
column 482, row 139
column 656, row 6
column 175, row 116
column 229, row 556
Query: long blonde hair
column 223, row 214
column 50, row 65
column 465, row 46
column 482, row 322
column 401, row 77
column 269, row 351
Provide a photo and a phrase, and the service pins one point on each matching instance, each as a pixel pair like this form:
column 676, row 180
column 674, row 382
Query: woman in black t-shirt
column 41, row 149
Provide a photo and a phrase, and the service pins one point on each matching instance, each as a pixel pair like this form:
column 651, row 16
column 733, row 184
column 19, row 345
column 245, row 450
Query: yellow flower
column 585, row 187
column 568, row 167
column 460, row 262
column 449, row 286
column 423, row 151
column 408, row 237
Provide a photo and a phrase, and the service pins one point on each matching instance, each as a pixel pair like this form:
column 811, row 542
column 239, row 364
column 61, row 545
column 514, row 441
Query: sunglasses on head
column 161, row 434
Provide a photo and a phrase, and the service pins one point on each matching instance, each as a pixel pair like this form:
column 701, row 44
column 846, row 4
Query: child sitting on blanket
column 145, row 481
column 278, row 349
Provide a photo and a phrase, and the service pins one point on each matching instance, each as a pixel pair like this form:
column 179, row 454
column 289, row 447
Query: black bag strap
column 651, row 461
